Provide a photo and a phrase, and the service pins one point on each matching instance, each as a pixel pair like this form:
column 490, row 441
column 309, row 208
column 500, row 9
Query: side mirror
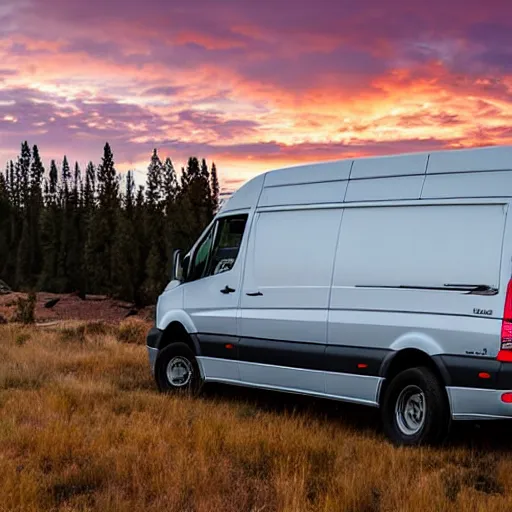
column 177, row 266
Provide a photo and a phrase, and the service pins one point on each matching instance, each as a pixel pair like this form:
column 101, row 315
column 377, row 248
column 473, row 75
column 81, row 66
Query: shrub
column 132, row 331
column 73, row 334
column 25, row 309
column 22, row 338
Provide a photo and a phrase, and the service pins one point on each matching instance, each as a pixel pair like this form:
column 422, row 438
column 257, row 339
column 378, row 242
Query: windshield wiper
column 474, row 289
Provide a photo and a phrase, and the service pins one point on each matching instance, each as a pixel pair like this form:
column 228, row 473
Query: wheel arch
column 405, row 358
column 176, row 332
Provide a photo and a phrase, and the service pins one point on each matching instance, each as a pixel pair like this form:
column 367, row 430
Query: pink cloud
column 254, row 84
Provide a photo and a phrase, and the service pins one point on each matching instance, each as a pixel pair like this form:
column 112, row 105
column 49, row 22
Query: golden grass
column 82, row 428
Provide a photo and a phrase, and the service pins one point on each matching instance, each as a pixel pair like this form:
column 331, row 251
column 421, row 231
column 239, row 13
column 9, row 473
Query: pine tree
column 89, row 197
column 23, row 256
column 50, row 232
column 154, row 181
column 9, row 267
column 23, row 239
column 16, row 185
column 90, row 186
column 170, row 192
column 66, row 179
column 170, row 188
column 126, row 247
column 215, row 189
column 5, row 221
column 142, row 241
column 36, row 207
column 66, row 228
column 154, row 253
column 89, row 211
column 194, row 200
column 107, row 181
column 103, row 226
column 77, row 183
column 74, row 256
column 24, row 170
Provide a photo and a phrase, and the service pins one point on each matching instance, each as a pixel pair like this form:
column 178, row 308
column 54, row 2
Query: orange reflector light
column 229, row 346
column 507, row 398
column 484, row 375
column 362, row 365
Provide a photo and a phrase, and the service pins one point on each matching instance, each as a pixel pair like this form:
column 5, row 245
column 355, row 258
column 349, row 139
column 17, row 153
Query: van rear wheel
column 177, row 371
column 414, row 409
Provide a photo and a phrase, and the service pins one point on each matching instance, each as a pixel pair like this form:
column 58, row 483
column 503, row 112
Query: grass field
column 82, row 428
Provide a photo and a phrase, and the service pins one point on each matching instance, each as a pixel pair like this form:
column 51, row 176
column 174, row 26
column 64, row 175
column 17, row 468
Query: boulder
column 4, row 288
column 51, row 303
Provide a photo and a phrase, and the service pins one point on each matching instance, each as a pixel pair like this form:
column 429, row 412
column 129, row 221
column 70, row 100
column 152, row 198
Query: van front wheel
column 177, row 371
column 415, row 410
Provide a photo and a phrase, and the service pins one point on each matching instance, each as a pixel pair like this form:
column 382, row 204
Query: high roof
column 423, row 175
column 496, row 158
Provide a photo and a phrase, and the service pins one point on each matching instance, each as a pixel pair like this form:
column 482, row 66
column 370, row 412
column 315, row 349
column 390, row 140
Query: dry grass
column 81, row 428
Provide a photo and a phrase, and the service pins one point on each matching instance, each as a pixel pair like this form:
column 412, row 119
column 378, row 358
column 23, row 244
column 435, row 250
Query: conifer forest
column 72, row 230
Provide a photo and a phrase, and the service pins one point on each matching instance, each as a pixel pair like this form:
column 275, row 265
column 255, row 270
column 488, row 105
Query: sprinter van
column 383, row 281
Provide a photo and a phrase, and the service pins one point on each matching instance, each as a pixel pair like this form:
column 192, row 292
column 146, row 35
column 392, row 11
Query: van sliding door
column 285, row 297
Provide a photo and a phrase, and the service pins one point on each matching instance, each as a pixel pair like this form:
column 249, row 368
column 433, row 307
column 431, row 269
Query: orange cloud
column 251, row 88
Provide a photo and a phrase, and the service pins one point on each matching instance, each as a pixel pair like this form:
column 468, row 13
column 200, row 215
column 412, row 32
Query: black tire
column 434, row 424
column 182, row 358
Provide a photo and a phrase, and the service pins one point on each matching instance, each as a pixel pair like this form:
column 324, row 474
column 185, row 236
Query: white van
column 382, row 281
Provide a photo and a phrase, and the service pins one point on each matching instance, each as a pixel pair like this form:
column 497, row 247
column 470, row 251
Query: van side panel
column 403, row 187
column 475, row 184
column 289, row 261
column 384, row 248
column 285, row 296
column 493, row 158
column 325, row 192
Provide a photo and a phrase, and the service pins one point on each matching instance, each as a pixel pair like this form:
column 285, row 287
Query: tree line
column 64, row 230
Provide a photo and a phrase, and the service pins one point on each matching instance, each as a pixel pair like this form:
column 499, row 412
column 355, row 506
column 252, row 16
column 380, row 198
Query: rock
column 51, row 303
column 78, row 293
column 123, row 305
column 97, row 298
column 4, row 288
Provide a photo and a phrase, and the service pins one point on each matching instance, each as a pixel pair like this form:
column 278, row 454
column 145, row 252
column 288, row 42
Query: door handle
column 227, row 289
column 254, row 294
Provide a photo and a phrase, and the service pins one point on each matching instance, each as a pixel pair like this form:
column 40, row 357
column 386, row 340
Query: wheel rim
column 179, row 371
column 410, row 410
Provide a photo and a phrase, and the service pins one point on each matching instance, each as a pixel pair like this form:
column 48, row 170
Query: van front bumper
column 152, row 345
column 478, row 404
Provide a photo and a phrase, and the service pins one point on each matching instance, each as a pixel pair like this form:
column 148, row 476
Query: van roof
column 400, row 176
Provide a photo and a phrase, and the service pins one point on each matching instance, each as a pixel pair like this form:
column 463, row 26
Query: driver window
column 228, row 239
column 219, row 249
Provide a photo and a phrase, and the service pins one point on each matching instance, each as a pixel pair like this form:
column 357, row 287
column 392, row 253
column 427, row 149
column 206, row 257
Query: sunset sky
column 252, row 84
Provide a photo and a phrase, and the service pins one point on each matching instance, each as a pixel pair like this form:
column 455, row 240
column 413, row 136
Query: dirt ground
column 72, row 307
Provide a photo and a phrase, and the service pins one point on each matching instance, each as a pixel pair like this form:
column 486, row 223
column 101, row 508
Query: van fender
column 177, row 315
column 420, row 342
